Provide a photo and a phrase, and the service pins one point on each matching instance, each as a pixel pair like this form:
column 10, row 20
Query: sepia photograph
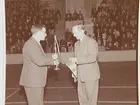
column 70, row 52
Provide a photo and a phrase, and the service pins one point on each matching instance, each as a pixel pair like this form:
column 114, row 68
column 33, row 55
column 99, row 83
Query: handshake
column 73, row 59
column 57, row 61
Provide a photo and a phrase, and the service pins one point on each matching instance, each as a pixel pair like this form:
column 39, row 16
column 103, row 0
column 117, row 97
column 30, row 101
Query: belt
column 86, row 63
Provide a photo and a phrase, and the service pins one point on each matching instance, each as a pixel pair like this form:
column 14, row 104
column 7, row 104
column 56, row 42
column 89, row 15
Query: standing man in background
column 86, row 51
column 34, row 72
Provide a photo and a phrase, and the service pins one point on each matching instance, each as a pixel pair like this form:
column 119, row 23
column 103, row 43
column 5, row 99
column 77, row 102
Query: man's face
column 42, row 34
column 77, row 33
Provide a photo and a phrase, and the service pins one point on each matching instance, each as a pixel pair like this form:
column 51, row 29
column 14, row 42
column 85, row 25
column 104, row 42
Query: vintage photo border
column 3, row 54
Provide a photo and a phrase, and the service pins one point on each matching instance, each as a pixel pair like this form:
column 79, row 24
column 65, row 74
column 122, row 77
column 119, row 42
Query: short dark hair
column 36, row 27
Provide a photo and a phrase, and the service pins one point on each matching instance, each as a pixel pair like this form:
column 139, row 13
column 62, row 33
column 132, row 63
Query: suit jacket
column 86, row 53
column 35, row 61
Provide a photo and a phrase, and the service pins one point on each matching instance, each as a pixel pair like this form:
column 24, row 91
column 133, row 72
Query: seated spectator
column 104, row 36
column 68, row 16
column 125, row 42
column 93, row 12
column 51, row 25
column 58, row 14
column 63, row 45
column 110, row 43
column 80, row 16
column 75, row 15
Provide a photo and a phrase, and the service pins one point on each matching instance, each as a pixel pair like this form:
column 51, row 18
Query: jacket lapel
column 81, row 48
column 38, row 45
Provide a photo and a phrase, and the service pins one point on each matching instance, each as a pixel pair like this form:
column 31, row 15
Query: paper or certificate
column 74, row 76
column 73, row 67
column 55, row 56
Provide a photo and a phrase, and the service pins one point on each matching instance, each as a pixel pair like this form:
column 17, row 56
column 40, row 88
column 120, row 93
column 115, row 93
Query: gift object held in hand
column 55, row 56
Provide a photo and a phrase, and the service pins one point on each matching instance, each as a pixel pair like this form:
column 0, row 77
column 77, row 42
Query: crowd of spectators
column 20, row 16
column 67, row 43
column 116, row 24
column 74, row 16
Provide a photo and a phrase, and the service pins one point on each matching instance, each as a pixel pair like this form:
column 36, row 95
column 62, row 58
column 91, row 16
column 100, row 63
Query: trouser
column 88, row 92
column 34, row 95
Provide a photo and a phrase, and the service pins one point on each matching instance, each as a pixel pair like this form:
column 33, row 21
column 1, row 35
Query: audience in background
column 74, row 16
column 20, row 16
column 115, row 24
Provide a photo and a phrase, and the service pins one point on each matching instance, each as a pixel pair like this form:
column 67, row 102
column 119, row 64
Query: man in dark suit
column 34, row 72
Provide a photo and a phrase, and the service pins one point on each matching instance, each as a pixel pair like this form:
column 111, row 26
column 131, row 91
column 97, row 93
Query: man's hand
column 73, row 59
column 55, row 56
column 56, row 62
